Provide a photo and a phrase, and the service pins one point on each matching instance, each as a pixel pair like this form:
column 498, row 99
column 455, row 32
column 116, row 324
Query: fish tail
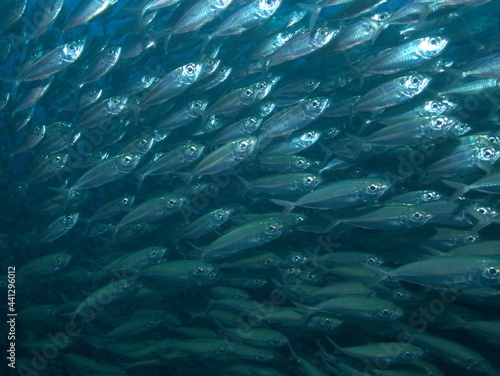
column 332, row 342
column 138, row 179
column 206, row 41
column 114, row 232
column 246, row 186
column 65, row 192
column 381, row 274
column 359, row 145
column 289, row 206
column 433, row 252
column 460, row 188
column 307, row 311
column 314, row 11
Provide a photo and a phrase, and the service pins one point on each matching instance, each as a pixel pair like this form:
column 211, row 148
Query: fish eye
column 386, row 312
column 428, row 146
column 193, row 149
column 125, row 200
column 478, row 364
column 261, row 85
column 434, row 106
column 315, row 103
column 415, row 80
column 48, row 312
column 407, row 354
column 328, row 321
column 373, row 187
column 471, row 239
column 433, row 41
column 269, row 261
column 439, row 122
column 372, row 261
column 127, row 159
column 190, row 69
column 248, row 92
column 143, row 141
column 417, row 215
column 244, row 145
column 310, row 135
column 301, row 162
column 309, row 180
column 271, row 228
column 59, row 261
column 137, row 227
column 171, row 203
column 199, row 270
column 276, row 340
column 492, row 271
column 429, row 196
column 482, row 210
column 221, row 350
column 488, row 153
column 252, row 120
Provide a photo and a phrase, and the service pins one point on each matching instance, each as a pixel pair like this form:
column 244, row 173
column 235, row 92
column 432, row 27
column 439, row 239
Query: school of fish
column 251, row 188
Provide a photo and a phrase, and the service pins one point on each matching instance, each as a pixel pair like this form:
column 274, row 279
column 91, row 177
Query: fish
column 340, row 194
column 470, row 271
column 86, row 12
column 54, row 61
column 222, row 187
column 44, row 265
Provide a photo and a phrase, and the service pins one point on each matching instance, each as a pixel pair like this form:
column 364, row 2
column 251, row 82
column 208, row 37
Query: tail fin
column 308, row 311
column 314, row 11
column 381, row 274
column 288, row 205
column 207, row 39
column 460, row 188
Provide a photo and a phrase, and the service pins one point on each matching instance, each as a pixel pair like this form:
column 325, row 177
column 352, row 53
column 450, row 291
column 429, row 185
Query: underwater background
column 267, row 187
